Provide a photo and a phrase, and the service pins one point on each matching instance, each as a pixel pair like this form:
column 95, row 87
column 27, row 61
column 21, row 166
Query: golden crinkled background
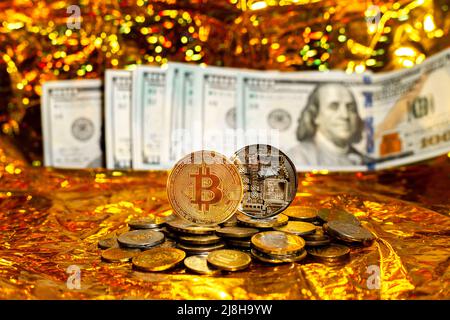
column 36, row 44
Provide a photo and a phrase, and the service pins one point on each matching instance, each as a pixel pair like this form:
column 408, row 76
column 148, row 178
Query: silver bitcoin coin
column 269, row 178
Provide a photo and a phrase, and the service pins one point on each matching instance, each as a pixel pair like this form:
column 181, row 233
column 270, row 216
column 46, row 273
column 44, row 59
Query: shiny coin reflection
column 277, row 242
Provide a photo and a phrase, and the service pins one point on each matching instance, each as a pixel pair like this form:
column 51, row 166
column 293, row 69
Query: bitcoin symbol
column 197, row 191
column 200, row 187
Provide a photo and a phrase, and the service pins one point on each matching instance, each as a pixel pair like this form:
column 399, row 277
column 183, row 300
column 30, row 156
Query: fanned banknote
column 72, row 123
column 118, row 84
column 217, row 100
column 410, row 113
column 321, row 120
column 182, row 129
column 151, row 96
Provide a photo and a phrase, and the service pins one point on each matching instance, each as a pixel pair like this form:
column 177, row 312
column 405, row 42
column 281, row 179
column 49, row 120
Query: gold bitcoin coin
column 269, row 180
column 158, row 259
column 204, row 188
column 277, row 242
column 229, row 260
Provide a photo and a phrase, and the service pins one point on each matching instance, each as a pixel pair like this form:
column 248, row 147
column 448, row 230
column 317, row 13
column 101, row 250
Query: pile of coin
column 228, row 212
column 194, row 239
column 210, row 250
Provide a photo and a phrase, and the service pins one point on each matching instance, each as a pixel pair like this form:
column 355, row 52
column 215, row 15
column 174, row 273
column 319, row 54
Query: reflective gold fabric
column 52, row 219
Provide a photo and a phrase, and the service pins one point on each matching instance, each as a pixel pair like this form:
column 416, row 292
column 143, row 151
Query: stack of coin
column 317, row 239
column 278, row 247
column 195, row 239
column 334, row 254
column 237, row 237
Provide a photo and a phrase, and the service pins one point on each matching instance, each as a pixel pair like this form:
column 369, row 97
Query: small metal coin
column 168, row 243
column 169, row 233
column 119, row 254
column 277, row 242
column 193, row 250
column 151, row 222
column 317, row 243
column 331, row 253
column 244, row 244
column 229, row 260
column 108, row 243
column 299, row 228
column 189, row 228
column 158, row 259
column 236, row 232
column 317, row 239
column 327, row 215
column 232, row 222
column 199, row 264
column 349, row 232
column 268, row 223
column 199, row 240
column 301, row 213
column 142, row 239
column 268, row 258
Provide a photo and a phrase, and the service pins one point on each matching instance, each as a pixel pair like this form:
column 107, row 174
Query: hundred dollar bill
column 183, row 129
column 151, row 95
column 317, row 119
column 410, row 113
column 72, row 123
column 216, row 98
column 118, row 119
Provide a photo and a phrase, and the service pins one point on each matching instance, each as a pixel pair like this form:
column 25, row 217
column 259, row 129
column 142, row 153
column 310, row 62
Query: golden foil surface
column 52, row 219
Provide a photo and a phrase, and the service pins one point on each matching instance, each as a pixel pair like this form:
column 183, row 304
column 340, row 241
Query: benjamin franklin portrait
column 328, row 127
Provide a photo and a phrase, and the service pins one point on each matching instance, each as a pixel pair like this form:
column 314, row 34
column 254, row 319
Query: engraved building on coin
column 204, row 188
column 269, row 178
